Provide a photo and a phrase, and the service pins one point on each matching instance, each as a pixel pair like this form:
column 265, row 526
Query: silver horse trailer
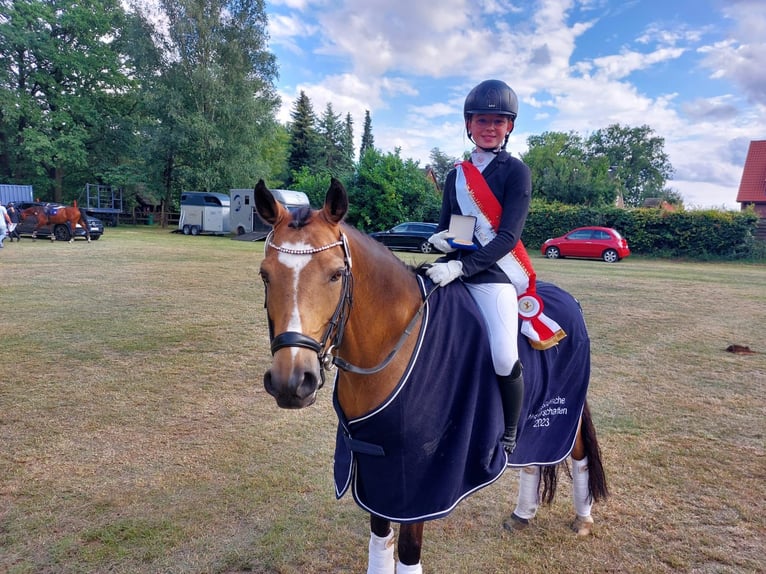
column 204, row 212
column 244, row 219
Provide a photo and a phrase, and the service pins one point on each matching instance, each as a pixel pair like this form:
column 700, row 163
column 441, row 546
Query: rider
column 13, row 213
column 490, row 111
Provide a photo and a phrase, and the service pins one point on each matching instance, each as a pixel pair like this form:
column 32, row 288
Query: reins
column 337, row 324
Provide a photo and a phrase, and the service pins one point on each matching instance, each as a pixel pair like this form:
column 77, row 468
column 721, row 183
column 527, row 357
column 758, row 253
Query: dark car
column 408, row 236
column 60, row 230
column 588, row 243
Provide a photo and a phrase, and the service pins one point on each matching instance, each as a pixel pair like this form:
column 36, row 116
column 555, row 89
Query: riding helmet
column 491, row 97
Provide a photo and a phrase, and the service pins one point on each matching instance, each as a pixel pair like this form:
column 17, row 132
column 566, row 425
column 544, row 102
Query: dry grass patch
column 137, row 437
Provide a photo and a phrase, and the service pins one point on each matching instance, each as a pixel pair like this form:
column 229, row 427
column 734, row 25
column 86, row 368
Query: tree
column 333, row 151
column 217, row 104
column 368, row 142
column 62, row 86
column 389, row 190
column 348, row 141
column 441, row 164
column 122, row 155
column 638, row 159
column 562, row 170
column 303, row 135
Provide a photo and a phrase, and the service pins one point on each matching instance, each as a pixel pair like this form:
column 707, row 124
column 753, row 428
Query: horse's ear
column 336, row 201
column 268, row 208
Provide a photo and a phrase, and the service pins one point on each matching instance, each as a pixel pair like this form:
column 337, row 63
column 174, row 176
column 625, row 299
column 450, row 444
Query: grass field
column 136, row 437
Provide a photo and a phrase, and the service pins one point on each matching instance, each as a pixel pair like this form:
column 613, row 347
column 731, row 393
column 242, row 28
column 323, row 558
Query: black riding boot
column 512, row 395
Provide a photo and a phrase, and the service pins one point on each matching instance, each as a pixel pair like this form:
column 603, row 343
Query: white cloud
column 705, row 195
column 622, row 65
column 411, row 65
column 740, row 57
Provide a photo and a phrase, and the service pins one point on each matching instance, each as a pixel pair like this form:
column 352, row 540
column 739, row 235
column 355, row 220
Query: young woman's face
column 488, row 130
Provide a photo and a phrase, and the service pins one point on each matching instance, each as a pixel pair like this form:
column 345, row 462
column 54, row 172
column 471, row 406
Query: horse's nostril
column 308, row 385
column 267, row 383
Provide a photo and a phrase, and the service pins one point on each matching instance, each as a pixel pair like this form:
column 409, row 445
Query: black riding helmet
column 491, row 97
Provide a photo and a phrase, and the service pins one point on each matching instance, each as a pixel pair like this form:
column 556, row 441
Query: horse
column 54, row 215
column 340, row 304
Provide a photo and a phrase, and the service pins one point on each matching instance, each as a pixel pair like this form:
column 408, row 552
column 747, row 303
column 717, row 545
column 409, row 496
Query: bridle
column 333, row 334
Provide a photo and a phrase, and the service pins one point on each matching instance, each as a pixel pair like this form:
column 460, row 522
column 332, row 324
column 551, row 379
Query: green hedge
column 698, row 234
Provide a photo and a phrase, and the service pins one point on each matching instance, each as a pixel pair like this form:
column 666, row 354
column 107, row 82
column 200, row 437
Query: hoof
column 582, row 525
column 515, row 523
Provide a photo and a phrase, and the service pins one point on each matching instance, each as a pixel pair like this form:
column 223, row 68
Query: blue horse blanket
column 436, row 438
column 555, row 385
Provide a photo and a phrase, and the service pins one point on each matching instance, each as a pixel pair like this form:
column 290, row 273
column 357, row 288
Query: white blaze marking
column 296, row 263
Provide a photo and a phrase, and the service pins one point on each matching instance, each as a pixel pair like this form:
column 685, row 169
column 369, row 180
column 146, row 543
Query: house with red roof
column 752, row 187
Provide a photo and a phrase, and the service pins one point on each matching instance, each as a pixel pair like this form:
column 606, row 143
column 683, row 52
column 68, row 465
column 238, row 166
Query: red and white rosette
column 541, row 331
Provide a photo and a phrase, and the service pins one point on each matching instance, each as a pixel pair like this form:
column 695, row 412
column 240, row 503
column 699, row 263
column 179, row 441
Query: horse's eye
column 337, row 276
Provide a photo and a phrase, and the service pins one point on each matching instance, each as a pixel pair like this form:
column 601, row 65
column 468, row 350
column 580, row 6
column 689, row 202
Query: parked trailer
column 204, row 212
column 10, row 193
column 104, row 202
column 244, row 219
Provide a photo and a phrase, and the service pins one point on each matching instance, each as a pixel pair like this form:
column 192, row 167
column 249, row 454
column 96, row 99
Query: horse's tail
column 596, row 476
column 549, row 477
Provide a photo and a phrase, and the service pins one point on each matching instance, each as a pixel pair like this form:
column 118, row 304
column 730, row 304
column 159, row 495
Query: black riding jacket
column 510, row 181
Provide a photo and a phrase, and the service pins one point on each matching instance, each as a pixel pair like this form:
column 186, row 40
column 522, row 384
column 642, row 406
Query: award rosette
column 542, row 331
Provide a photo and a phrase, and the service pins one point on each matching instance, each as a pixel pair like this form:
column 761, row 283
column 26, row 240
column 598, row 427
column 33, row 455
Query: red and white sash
column 476, row 198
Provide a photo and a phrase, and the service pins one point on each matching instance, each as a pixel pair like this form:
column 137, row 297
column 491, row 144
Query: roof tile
column 752, row 187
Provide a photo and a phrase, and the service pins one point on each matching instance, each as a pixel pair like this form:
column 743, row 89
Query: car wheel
column 95, row 237
column 426, row 247
column 610, row 256
column 61, row 233
column 194, row 230
column 186, row 230
column 552, row 253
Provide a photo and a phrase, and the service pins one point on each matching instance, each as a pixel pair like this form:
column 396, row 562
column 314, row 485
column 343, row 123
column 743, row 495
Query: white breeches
column 499, row 305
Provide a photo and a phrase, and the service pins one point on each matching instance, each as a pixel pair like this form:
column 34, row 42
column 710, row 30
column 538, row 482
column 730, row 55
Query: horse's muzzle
column 296, row 390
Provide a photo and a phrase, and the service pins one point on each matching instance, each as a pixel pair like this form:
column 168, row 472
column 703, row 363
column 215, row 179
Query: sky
column 694, row 71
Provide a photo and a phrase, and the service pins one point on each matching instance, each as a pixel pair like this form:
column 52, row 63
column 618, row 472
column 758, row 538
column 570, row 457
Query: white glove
column 439, row 240
column 443, row 273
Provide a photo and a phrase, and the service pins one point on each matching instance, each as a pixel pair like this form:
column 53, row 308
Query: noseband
column 337, row 325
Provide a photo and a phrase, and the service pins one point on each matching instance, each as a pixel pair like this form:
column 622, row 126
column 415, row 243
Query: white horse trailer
column 204, row 212
column 244, row 219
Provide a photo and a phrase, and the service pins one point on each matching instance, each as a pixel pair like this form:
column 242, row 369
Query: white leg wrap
column 381, row 556
column 528, row 500
column 580, row 491
column 404, row 569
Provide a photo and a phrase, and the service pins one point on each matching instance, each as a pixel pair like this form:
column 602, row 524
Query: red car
column 588, row 243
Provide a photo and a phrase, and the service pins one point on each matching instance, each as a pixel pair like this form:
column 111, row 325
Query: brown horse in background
column 54, row 215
